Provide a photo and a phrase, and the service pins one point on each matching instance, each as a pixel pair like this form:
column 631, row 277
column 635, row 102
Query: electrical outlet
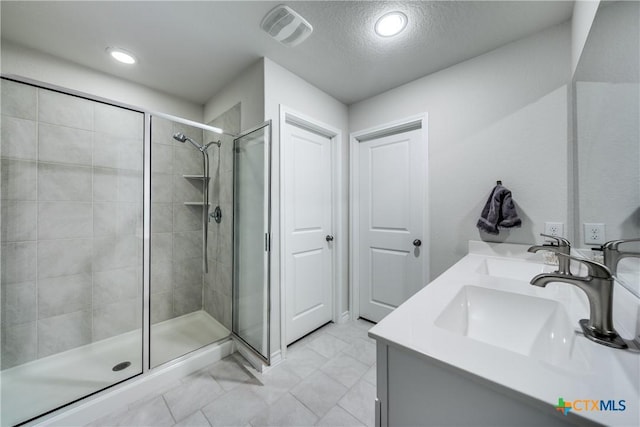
column 593, row 233
column 554, row 229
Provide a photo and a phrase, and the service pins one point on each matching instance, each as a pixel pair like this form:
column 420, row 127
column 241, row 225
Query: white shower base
column 44, row 384
column 175, row 337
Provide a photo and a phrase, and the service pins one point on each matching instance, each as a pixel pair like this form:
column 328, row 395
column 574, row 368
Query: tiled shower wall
column 218, row 283
column 177, row 283
column 71, row 192
column 176, row 228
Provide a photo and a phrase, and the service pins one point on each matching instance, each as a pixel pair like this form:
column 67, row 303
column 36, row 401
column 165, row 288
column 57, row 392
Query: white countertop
column 593, row 371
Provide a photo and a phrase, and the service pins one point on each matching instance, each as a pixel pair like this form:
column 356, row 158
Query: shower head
column 179, row 136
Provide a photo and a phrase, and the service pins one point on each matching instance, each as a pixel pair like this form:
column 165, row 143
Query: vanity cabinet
column 480, row 346
column 415, row 391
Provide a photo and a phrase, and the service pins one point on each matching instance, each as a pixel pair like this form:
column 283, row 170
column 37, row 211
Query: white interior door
column 308, row 241
column 391, row 220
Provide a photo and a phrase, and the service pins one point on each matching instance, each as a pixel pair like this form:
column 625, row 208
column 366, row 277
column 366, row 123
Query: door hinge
column 267, row 242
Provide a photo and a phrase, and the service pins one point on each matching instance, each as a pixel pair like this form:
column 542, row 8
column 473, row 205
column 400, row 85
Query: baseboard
column 276, row 358
column 345, row 317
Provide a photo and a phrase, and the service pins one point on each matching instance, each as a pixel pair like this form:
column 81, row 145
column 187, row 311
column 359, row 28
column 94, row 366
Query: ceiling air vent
column 286, row 25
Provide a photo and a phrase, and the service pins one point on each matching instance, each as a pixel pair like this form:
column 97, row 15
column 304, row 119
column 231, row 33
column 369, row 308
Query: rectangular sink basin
column 531, row 326
column 513, row 269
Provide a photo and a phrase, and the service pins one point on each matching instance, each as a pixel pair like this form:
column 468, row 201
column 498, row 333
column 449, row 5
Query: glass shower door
column 251, row 238
column 71, row 190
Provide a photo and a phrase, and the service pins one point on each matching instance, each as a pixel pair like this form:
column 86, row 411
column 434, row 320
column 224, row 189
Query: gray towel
column 498, row 212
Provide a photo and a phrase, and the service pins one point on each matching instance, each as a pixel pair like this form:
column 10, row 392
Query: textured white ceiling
column 192, row 49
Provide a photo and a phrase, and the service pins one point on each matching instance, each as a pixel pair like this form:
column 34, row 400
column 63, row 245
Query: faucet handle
column 613, row 244
column 595, row 268
column 560, row 240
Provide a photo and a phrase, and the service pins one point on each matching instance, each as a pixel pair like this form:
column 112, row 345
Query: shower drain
column 120, row 366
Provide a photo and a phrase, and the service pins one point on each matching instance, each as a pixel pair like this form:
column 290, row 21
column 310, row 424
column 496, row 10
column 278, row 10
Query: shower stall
column 130, row 239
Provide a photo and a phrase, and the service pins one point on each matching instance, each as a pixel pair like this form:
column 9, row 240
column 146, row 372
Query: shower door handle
column 329, row 238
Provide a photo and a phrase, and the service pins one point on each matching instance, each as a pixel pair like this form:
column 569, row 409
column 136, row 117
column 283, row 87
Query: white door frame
column 290, row 116
column 419, row 121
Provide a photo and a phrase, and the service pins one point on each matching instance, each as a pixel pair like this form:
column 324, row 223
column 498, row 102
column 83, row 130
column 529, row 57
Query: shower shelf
column 200, row 177
column 195, row 204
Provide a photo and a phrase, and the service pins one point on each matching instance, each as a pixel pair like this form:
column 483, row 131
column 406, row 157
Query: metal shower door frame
column 146, row 204
column 267, row 243
column 146, row 215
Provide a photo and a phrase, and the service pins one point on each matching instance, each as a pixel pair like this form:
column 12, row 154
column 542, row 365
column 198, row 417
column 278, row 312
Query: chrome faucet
column 562, row 246
column 598, row 285
column 612, row 255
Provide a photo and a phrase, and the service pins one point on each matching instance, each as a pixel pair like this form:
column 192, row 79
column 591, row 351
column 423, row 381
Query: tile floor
column 328, row 379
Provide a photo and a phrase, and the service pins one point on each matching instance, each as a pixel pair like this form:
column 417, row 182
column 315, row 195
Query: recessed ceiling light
column 391, row 24
column 121, row 55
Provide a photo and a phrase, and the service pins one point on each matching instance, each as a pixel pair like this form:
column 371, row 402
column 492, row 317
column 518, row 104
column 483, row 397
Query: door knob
column 417, row 243
column 329, row 238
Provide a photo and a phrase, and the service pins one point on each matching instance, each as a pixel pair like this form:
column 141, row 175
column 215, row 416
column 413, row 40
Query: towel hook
column 498, row 182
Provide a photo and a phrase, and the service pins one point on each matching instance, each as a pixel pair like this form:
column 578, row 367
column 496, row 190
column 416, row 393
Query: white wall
column 285, row 88
column 607, row 108
column 502, row 115
column 584, row 11
column 608, row 136
column 248, row 89
column 24, row 62
column 612, row 52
